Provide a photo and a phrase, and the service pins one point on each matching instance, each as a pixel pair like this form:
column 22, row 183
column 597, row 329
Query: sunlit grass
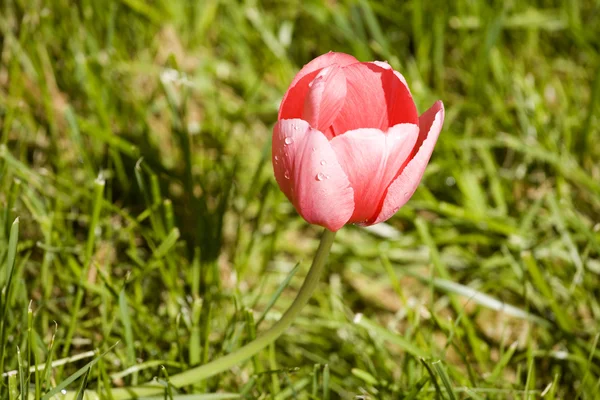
column 142, row 232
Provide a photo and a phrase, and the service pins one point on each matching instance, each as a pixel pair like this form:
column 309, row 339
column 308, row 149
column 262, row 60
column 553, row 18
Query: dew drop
column 321, row 176
column 323, row 162
column 395, row 210
column 289, row 140
column 276, row 158
column 406, row 194
column 287, row 174
column 314, row 149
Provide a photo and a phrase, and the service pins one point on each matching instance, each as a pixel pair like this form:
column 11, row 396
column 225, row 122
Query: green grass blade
column 277, row 293
column 127, row 326
column 5, row 295
column 82, row 371
column 445, row 379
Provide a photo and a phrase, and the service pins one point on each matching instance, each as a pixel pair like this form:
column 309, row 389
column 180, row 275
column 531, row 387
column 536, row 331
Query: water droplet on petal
column 406, row 194
column 395, row 210
column 323, row 162
column 314, row 149
column 321, row 176
column 286, row 174
column 289, row 140
column 276, row 158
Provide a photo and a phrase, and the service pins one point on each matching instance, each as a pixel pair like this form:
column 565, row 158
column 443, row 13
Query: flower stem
column 224, row 363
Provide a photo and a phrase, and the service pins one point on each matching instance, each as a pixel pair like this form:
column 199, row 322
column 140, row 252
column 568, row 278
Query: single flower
column 349, row 145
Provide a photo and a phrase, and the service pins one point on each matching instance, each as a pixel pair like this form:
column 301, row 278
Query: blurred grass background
column 140, row 221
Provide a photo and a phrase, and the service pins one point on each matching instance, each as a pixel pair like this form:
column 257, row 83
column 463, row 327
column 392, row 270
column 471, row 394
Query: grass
column 142, row 232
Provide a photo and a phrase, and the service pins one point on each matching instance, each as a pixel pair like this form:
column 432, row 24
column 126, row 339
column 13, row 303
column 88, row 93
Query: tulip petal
column 401, row 106
column 325, row 60
column 375, row 98
column 372, row 159
column 404, row 186
column 308, row 172
column 325, row 98
column 293, row 100
column 385, row 65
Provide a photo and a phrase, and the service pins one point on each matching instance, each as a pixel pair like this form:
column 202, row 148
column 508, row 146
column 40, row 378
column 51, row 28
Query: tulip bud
column 349, row 145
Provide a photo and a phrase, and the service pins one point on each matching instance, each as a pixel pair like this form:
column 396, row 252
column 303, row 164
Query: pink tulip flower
column 349, row 145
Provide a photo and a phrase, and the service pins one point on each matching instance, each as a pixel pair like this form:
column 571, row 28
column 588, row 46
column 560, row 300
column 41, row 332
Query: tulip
column 349, row 145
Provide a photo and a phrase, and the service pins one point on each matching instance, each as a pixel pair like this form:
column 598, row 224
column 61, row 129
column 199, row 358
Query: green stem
column 224, row 363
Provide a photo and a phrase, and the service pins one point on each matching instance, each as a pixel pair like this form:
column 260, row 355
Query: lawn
column 142, row 232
